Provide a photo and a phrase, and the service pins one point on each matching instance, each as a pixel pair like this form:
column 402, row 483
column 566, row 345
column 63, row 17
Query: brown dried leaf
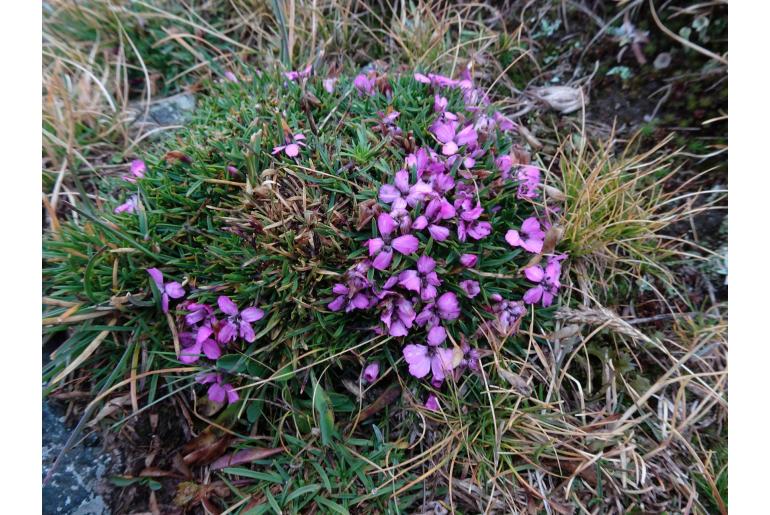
column 175, row 156
column 245, row 456
column 205, row 448
column 519, row 383
column 387, row 397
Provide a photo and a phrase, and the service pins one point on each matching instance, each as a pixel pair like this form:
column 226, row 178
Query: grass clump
column 297, row 232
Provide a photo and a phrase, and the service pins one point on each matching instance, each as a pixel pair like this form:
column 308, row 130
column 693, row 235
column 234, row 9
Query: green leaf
column 323, row 408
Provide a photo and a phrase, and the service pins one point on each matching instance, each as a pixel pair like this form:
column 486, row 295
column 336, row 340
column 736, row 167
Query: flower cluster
column 211, row 330
column 136, row 170
column 440, row 195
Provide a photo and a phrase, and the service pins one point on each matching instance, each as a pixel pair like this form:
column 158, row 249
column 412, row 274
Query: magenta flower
column 504, row 163
column 423, row 359
column 237, row 322
column 137, row 168
column 439, row 103
column 364, row 84
column 547, row 281
column 469, row 260
column 129, row 206
column 329, row 84
column 423, row 280
column 471, row 359
column 529, row 180
column 172, row 290
column 296, row 75
column 437, row 210
column 198, row 312
column 452, row 141
column 436, row 335
column 203, row 343
column 400, row 189
column 469, row 223
column 218, row 391
column 355, row 293
column 436, row 80
column 381, row 249
column 446, row 307
column 470, row 287
column 507, row 313
column 397, row 314
column 231, row 76
column 371, row 372
column 531, row 238
column 504, row 123
column 291, row 148
column 431, row 403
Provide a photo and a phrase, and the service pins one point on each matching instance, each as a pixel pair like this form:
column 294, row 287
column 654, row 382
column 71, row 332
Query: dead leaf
column 205, row 448
column 175, row 156
column 515, row 380
column 245, row 456
column 564, row 99
column 386, row 398
column 111, row 407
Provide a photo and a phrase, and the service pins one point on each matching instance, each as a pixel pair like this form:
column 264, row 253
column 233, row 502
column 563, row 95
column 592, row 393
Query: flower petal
column 157, row 276
column 253, row 314
column 534, row 273
column 174, row 290
column 406, row 244
column 383, row 260
column 437, row 335
column 216, row 393
column 386, row 224
column 211, row 349
column 227, row 306
column 409, row 280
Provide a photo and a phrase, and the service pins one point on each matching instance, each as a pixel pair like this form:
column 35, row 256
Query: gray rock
column 164, row 112
column 76, row 484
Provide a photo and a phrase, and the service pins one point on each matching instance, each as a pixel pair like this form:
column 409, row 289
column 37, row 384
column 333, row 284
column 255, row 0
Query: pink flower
column 423, row 280
column 364, row 84
column 440, row 103
column 469, row 223
column 529, row 180
column 469, row 260
column 504, row 123
column 291, row 148
column 507, row 312
column 218, row 391
column 397, row 314
column 136, row 169
column 371, row 372
column 531, row 238
column 129, row 206
column 437, row 210
column 237, row 322
column 381, row 249
column 431, row 403
column 400, row 189
column 231, row 76
column 172, row 290
column 198, row 312
column 203, row 343
column 423, row 359
column 296, row 75
column 547, row 281
column 329, row 84
column 504, row 163
column 451, row 140
column 470, row 287
column 448, row 306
